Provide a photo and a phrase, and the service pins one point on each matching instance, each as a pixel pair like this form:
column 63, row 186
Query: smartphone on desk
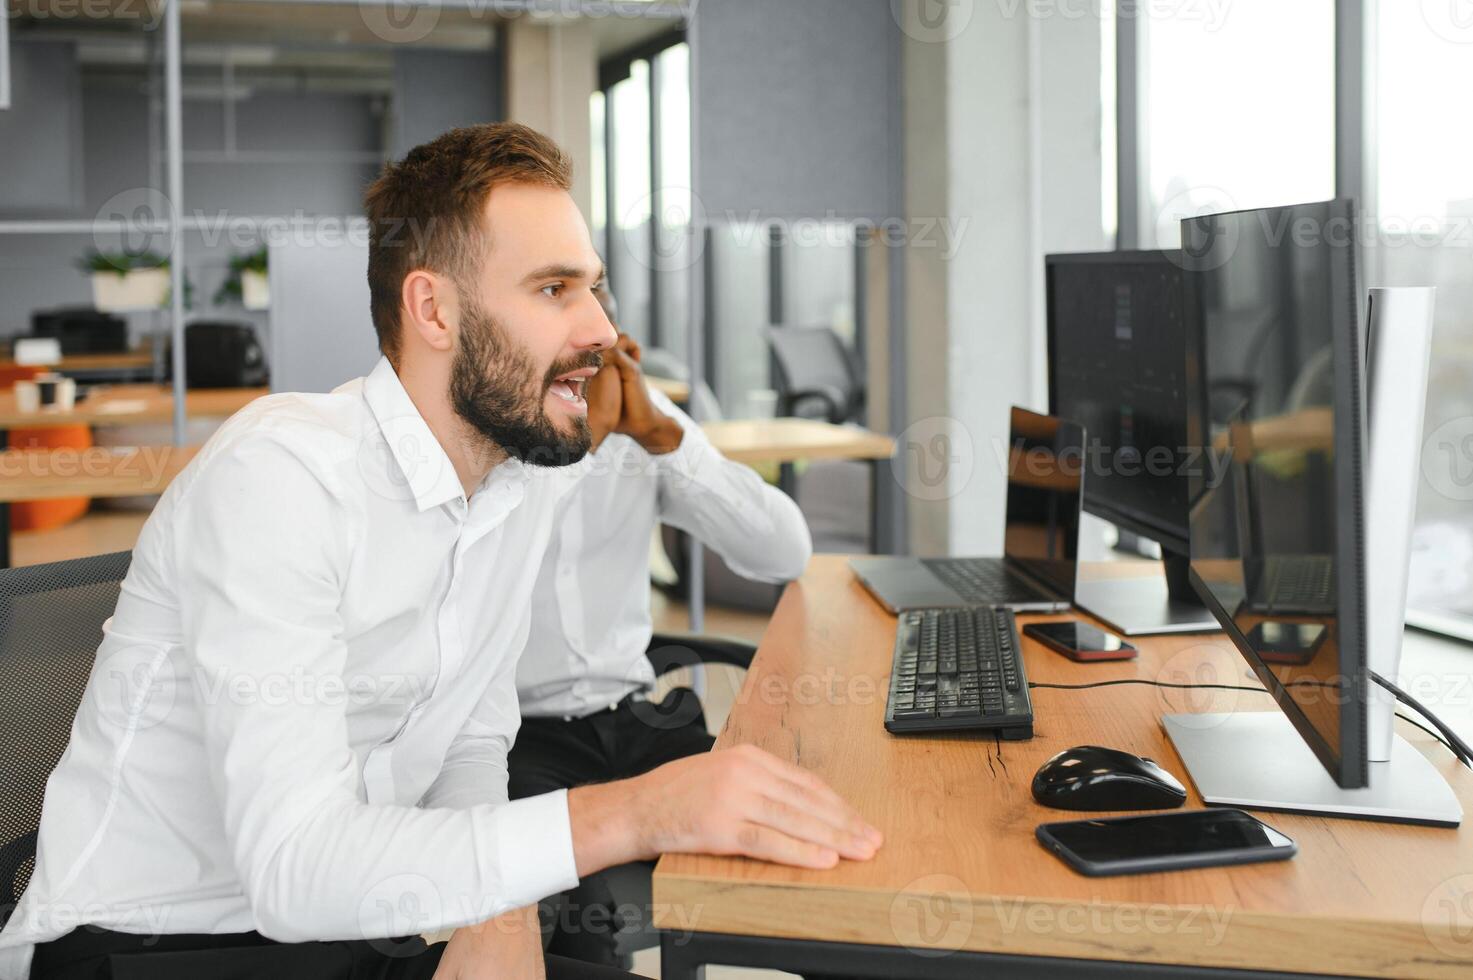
column 1080, row 641
column 1164, row 842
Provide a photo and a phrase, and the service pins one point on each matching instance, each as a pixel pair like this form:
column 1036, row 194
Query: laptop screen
column 1045, row 483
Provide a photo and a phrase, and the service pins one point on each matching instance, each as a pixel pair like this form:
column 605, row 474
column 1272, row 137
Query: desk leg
column 787, row 479
column 679, row 960
column 4, row 513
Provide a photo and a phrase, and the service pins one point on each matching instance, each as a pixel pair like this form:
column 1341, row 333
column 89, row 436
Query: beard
column 495, row 388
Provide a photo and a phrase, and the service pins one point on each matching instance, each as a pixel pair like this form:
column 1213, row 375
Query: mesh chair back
column 51, row 620
column 815, row 359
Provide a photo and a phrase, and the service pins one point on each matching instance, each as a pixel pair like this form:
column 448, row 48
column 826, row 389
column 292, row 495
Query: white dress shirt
column 300, row 712
column 591, row 607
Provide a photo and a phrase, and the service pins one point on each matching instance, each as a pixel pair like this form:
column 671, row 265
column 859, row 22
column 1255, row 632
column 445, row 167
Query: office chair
column 817, row 376
column 51, row 620
column 630, row 884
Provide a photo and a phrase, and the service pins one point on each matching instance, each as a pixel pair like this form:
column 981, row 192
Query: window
column 642, row 207
column 1238, row 108
column 1423, row 235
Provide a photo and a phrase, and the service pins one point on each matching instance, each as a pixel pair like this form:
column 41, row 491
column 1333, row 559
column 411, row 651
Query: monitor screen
column 1276, row 522
column 1117, row 357
column 1045, row 484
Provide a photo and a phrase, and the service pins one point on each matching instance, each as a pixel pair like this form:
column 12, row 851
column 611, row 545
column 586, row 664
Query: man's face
column 531, row 328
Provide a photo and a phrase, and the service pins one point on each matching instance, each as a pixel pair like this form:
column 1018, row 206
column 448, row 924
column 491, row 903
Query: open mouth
column 572, row 387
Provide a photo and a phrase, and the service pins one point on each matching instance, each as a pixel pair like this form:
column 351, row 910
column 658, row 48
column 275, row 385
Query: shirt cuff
column 535, row 848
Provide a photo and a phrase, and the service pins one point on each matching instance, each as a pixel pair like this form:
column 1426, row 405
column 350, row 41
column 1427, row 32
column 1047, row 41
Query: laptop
column 1040, row 545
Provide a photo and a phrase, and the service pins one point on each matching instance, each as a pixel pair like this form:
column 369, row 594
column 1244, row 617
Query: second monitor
column 1120, row 341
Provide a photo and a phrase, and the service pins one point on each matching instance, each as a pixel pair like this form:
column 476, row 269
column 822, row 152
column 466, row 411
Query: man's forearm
column 605, row 826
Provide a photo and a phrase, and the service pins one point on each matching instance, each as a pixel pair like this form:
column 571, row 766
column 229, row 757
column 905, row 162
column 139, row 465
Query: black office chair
column 817, row 375
column 630, row 884
column 51, row 620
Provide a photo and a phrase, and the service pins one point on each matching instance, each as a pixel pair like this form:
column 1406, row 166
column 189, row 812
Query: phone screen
column 1194, row 832
column 1079, row 637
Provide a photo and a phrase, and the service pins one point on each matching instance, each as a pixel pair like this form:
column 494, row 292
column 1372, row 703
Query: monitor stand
column 1148, row 604
column 1255, row 759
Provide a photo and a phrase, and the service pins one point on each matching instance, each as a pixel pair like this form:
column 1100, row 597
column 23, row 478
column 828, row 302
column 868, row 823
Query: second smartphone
column 1080, row 641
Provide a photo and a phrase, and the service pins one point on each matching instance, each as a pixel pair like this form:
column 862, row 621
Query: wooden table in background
column 677, row 391
column 130, row 405
column 99, row 472
column 121, row 362
column 961, row 889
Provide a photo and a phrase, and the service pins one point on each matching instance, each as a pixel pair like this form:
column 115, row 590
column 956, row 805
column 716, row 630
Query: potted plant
column 247, row 283
column 127, row 280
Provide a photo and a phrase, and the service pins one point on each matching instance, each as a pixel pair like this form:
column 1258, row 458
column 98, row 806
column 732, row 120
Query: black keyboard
column 1297, row 583
column 959, row 669
column 981, row 581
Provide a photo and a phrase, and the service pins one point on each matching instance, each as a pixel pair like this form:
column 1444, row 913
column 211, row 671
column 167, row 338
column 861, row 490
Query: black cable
column 1414, row 722
column 1138, row 680
column 1456, row 744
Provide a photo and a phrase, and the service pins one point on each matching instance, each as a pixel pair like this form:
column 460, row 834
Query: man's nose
column 595, row 332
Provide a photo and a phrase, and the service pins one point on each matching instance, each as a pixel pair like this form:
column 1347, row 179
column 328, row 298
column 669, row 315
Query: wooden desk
column 962, row 889
column 125, row 361
column 790, row 440
column 45, row 474
column 130, row 405
column 677, row 391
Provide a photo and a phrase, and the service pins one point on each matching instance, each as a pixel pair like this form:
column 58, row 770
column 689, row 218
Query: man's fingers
column 812, row 826
column 756, row 841
column 799, row 787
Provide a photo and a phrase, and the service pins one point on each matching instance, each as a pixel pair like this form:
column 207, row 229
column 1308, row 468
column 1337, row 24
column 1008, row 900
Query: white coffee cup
column 27, row 397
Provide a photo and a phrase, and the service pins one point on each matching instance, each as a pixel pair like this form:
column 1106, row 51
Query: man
column 292, row 748
column 584, row 676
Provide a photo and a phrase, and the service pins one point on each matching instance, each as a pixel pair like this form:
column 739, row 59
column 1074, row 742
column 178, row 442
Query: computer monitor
column 1278, row 528
column 1120, row 342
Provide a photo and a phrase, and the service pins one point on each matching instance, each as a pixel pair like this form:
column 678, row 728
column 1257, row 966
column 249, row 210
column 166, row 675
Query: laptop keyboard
column 982, row 581
column 958, row 669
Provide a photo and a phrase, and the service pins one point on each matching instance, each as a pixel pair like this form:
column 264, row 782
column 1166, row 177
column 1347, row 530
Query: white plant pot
column 137, row 289
column 255, row 289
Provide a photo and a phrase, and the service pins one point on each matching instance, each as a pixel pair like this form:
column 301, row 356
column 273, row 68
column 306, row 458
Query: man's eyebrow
column 558, row 270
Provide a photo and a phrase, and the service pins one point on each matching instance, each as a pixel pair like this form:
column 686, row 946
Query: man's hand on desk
column 732, row 801
column 509, row 945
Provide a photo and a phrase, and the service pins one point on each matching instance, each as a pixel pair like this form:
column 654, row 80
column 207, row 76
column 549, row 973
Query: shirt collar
column 423, row 467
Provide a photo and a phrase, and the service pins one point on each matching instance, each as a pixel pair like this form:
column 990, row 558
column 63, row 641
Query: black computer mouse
column 1089, row 777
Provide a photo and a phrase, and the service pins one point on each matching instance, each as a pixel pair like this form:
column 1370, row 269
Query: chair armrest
column 837, row 405
column 668, row 651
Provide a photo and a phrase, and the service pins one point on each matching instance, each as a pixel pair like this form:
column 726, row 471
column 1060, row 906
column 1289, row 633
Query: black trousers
column 552, row 754
column 97, row 954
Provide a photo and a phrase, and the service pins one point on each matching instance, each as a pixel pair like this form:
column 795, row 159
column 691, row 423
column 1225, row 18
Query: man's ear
column 431, row 309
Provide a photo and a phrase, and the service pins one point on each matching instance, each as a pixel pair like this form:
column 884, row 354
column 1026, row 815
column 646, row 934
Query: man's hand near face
column 640, row 419
column 604, row 393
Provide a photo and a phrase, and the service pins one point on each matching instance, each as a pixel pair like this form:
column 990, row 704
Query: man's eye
column 554, row 290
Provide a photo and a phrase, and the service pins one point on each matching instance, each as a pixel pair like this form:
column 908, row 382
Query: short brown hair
column 424, row 212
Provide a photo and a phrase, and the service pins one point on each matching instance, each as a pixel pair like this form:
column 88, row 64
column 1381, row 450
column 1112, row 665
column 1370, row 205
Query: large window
column 642, row 208
column 1423, row 195
column 1238, row 108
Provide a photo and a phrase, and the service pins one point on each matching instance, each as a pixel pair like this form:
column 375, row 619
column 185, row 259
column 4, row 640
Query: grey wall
column 42, row 130
column 795, row 106
column 321, row 332
column 440, row 90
